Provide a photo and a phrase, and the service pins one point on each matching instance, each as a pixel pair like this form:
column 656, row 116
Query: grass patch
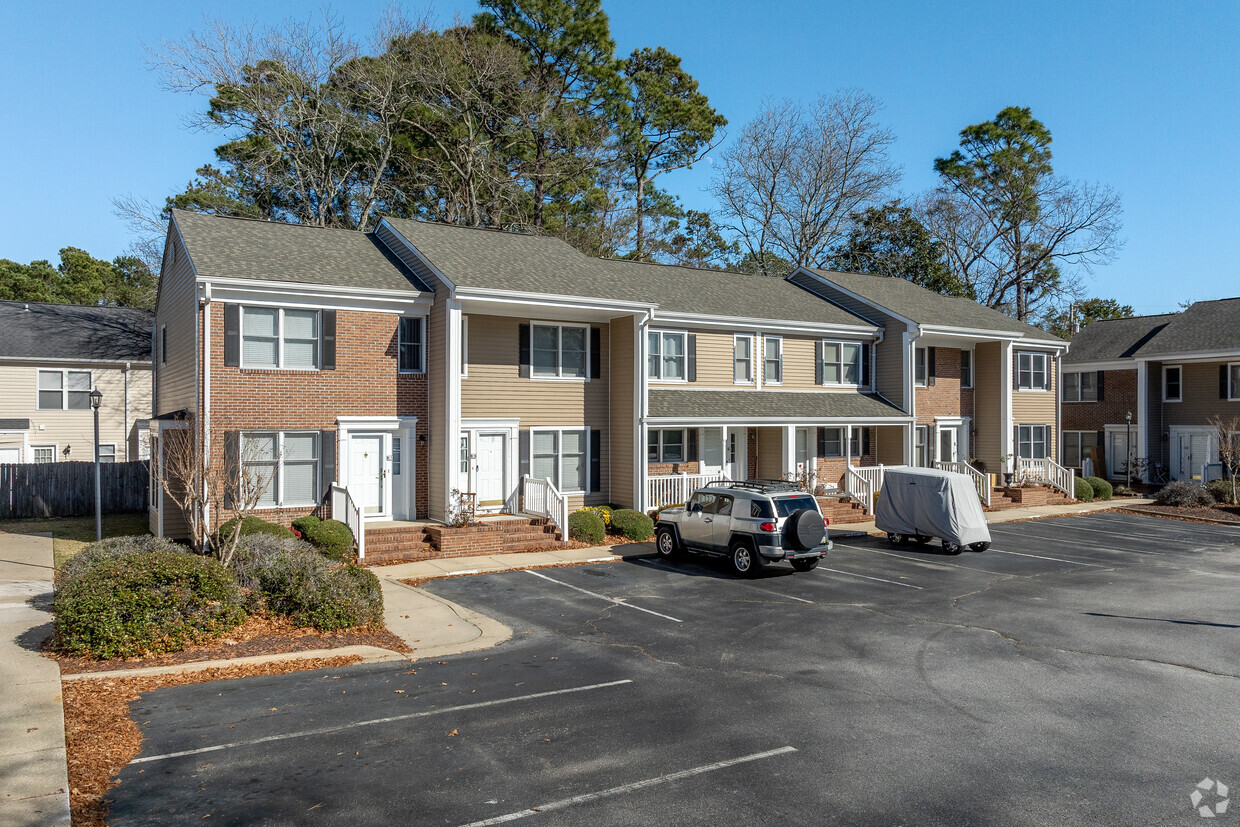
column 72, row 534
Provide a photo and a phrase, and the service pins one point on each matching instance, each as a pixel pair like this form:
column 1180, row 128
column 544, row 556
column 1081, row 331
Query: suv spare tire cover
column 804, row 529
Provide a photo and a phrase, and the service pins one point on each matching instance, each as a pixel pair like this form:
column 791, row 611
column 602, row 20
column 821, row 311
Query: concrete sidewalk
column 34, row 780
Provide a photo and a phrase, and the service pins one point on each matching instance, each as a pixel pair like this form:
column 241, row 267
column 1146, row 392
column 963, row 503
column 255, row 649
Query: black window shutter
column 523, row 346
column 865, row 442
column 822, row 442
column 691, row 452
column 1101, row 384
column 1015, row 444
column 596, row 352
column 1222, row 382
column 1015, row 370
column 865, row 363
column 596, row 460
column 232, row 466
column 818, row 373
column 929, row 366
column 329, row 340
column 327, row 450
column 523, row 442
column 232, row 335
column 691, row 357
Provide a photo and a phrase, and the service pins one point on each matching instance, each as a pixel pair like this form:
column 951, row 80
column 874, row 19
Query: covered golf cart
column 919, row 503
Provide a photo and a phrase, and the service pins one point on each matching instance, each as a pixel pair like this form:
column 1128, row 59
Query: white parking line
column 626, row 788
column 1218, row 531
column 616, row 600
column 909, row 557
column 1043, row 557
column 661, row 566
column 391, row 718
column 1086, row 544
column 879, row 579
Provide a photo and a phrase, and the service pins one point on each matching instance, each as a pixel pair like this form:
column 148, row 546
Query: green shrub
column 1102, row 488
column 113, row 548
column 1084, row 491
column 632, row 524
column 1123, row 491
column 1221, row 491
column 586, row 526
column 304, row 524
column 333, row 538
column 290, row 577
column 603, row 511
column 349, row 596
column 150, row 601
column 1184, row 494
column 253, row 525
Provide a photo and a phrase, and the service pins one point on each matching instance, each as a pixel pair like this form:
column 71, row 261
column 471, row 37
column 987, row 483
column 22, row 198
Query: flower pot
column 1008, row 476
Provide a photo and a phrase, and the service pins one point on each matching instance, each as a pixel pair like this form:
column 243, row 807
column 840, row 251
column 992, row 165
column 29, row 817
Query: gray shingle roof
column 495, row 260
column 927, row 307
column 1109, row 339
column 243, row 248
column 808, row 405
column 35, row 330
column 1205, row 327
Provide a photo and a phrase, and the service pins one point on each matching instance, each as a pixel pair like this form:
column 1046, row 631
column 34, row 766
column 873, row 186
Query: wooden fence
column 67, row 489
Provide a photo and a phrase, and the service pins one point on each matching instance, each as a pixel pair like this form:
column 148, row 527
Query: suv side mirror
column 695, row 508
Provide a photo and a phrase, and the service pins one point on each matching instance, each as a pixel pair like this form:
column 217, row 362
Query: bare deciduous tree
column 791, row 182
column 1229, row 448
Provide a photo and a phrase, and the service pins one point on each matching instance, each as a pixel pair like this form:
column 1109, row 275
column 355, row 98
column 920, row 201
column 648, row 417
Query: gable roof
column 246, row 248
column 922, row 306
column 676, row 403
column 1205, row 327
column 1105, row 340
column 514, row 262
column 38, row 330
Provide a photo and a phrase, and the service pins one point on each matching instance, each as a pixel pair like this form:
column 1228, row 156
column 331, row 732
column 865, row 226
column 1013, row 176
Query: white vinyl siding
column 278, row 338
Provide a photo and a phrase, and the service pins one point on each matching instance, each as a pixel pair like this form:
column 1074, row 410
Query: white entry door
column 949, row 445
column 712, row 450
column 489, row 470
column 8, row 455
column 367, row 473
column 738, row 453
column 1116, row 451
column 1190, row 451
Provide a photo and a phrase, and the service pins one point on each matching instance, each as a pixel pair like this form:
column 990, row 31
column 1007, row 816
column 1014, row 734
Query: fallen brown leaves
column 101, row 739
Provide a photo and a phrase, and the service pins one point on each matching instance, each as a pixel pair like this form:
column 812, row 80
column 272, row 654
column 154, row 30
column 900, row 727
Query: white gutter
column 205, row 309
column 125, row 425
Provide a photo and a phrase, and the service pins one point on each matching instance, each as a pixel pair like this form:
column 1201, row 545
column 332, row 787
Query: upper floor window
column 559, row 351
column 667, row 356
column 920, row 365
column 1230, row 384
column 1080, row 387
column 412, row 344
column 841, row 363
column 966, row 368
column 1031, row 371
column 772, row 360
column 64, row 390
column 1031, row 441
column 1171, row 384
column 278, row 338
column 742, row 359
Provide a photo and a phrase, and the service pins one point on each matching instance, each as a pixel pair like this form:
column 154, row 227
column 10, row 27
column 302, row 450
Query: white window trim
column 465, row 346
column 684, row 349
column 64, row 388
column 279, row 365
column 927, row 446
column 559, row 456
column 279, row 466
column 55, row 446
column 684, row 446
column 736, row 337
column 1046, row 371
column 1063, row 442
column 111, row 445
column 422, row 343
column 769, row 338
column 972, row 366
column 1233, row 388
column 1078, row 374
column 841, row 343
column 1166, row 398
column 1046, row 446
column 559, row 375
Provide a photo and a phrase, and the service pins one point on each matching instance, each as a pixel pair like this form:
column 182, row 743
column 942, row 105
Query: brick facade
column 1119, row 396
column 945, row 397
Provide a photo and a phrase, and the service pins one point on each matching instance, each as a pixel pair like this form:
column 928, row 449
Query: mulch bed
column 1226, row 514
column 101, row 738
column 256, row 636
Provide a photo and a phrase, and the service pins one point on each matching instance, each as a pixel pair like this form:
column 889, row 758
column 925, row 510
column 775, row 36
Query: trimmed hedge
column 114, row 548
column 333, row 538
column 253, row 525
column 587, row 527
column 1184, row 494
column 147, row 601
column 304, row 524
column 632, row 524
column 603, row 511
column 1084, row 491
column 1102, row 488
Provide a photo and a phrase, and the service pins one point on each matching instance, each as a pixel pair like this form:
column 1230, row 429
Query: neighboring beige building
column 51, row 357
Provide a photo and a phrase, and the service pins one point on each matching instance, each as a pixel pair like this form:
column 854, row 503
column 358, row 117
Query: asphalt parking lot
column 1083, row 670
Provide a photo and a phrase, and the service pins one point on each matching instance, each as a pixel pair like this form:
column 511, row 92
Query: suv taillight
column 768, row 526
column 826, row 521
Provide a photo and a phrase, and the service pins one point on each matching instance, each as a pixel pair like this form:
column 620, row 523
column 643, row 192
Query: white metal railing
column 863, row 483
column 541, row 498
column 980, row 481
column 673, row 489
column 1047, row 471
column 346, row 510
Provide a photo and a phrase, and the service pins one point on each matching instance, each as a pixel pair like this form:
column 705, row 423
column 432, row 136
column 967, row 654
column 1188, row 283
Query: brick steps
column 1001, row 501
column 429, row 542
column 841, row 510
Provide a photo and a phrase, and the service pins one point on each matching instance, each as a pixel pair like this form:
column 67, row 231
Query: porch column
column 724, row 466
column 847, row 445
column 790, row 450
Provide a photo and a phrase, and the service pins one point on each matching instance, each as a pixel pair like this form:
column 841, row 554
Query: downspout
column 910, row 390
column 206, row 403
column 125, row 424
column 642, row 403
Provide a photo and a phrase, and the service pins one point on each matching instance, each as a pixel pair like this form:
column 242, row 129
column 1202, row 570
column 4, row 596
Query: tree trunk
column 641, row 216
column 539, row 157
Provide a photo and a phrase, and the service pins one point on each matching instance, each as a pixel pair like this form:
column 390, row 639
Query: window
column 64, row 390
column 465, row 455
column 1031, row 373
column 1233, row 384
column 773, row 360
column 277, row 338
column 107, row 453
column 395, row 456
column 1080, row 387
column 833, row 445
column 1076, row 445
column 921, row 443
column 667, row 360
column 742, row 360
column 919, row 366
column 464, row 346
column 163, row 344
column 558, row 351
column 1031, row 441
column 286, row 462
column 411, row 345
column 560, row 456
column 44, row 453
column 1171, row 384
column 665, row 446
column 966, row 368
column 841, row 363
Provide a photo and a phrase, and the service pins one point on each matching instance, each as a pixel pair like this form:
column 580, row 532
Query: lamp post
column 1128, row 448
column 96, row 399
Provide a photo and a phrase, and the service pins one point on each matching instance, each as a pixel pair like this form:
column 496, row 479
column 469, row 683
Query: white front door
column 489, row 470
column 738, row 453
column 367, row 473
column 1116, row 451
column 1190, row 451
column 804, row 452
column 9, row 455
column 712, row 451
column 949, row 446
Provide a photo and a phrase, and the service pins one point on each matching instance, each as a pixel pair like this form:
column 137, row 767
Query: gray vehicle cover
column 931, row 502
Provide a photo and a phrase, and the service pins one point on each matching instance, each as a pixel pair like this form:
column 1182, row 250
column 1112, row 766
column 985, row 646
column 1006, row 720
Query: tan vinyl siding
column 1038, row 407
column 770, row 453
column 715, row 360
column 1200, row 394
column 988, row 379
column 177, row 310
column 620, row 432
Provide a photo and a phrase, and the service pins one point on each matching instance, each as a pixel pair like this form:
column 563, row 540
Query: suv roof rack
column 765, row 486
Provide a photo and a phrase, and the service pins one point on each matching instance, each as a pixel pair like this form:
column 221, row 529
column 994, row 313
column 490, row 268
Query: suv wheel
column 665, row 542
column 745, row 561
column 805, row 565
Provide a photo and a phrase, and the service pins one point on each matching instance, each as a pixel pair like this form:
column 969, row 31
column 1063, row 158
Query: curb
column 368, row 654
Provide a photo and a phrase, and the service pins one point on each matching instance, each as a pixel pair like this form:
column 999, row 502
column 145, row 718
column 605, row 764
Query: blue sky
column 1142, row 96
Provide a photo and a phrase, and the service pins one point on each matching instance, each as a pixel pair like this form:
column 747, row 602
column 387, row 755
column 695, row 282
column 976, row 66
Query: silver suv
column 752, row 523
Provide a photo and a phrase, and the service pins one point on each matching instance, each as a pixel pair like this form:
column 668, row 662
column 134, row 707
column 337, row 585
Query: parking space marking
column 1126, row 536
column 626, row 788
column 909, row 557
column 661, row 566
column 1093, row 546
column 1043, row 557
column 1147, row 521
column 426, row 713
column 616, row 600
column 879, row 579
